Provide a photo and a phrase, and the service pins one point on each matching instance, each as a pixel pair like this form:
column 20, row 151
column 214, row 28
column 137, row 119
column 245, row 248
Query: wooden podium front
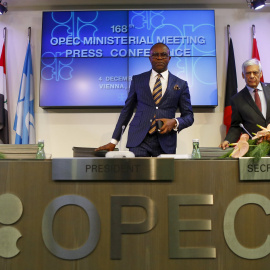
column 204, row 219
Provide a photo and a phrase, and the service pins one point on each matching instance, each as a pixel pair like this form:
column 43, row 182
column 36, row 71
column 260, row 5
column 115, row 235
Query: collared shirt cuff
column 177, row 125
column 114, row 141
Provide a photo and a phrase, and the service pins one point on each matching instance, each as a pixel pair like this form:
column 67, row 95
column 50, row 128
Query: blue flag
column 24, row 123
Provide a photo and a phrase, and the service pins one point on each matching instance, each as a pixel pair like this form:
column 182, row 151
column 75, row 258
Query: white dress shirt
column 164, row 80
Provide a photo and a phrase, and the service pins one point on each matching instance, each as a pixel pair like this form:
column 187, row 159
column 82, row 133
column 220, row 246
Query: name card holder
column 116, row 169
column 251, row 171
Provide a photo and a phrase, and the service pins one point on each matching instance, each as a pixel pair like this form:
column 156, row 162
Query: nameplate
column 259, row 171
column 113, row 169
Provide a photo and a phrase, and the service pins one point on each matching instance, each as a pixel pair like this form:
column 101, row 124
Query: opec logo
column 10, row 212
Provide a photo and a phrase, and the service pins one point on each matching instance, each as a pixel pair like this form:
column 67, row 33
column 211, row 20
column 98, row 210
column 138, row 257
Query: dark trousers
column 150, row 147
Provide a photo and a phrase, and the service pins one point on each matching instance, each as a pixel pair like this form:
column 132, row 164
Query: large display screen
column 88, row 58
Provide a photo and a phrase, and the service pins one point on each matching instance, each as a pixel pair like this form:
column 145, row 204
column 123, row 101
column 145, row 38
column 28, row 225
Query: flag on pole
column 231, row 87
column 4, row 137
column 24, row 123
column 255, row 52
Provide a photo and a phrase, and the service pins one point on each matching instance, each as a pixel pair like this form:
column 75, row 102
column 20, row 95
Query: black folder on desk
column 213, row 152
column 89, row 152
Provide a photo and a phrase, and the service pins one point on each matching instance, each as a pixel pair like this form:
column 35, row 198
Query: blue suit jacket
column 245, row 111
column 140, row 97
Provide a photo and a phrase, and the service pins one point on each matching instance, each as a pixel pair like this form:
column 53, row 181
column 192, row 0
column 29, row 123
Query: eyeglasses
column 159, row 55
column 255, row 73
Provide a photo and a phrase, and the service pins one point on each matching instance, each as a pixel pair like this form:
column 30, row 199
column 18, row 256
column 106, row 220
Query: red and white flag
column 4, row 137
column 255, row 53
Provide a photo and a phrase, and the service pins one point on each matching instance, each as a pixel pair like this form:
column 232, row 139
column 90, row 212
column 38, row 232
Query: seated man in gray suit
column 251, row 106
column 156, row 95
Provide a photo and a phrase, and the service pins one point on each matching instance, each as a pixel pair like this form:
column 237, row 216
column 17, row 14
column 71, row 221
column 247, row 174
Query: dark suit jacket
column 245, row 111
column 140, row 97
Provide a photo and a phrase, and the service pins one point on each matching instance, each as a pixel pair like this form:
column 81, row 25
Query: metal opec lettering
column 229, row 230
column 175, row 225
column 47, row 227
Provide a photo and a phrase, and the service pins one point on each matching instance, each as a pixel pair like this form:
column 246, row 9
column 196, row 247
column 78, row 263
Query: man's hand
column 168, row 125
column 109, row 147
column 224, row 145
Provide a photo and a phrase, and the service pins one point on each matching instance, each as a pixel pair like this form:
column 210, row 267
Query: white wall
column 63, row 129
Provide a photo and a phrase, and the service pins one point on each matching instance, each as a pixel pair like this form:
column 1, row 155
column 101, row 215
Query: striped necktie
column 157, row 95
column 257, row 99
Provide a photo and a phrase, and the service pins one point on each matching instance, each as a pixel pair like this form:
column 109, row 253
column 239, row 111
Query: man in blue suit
column 175, row 94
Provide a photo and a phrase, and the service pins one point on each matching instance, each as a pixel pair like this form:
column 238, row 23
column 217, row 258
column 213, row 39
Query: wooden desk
column 32, row 183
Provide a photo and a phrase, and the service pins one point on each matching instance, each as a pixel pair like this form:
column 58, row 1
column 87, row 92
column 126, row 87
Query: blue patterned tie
column 157, row 95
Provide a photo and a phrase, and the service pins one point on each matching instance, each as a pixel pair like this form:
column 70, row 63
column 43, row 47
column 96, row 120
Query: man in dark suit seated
column 156, row 95
column 251, row 106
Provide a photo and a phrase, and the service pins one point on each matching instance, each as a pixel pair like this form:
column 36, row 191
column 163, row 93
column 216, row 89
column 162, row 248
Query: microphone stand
column 242, row 126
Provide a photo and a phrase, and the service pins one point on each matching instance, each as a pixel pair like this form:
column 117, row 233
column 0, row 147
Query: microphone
column 242, row 126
